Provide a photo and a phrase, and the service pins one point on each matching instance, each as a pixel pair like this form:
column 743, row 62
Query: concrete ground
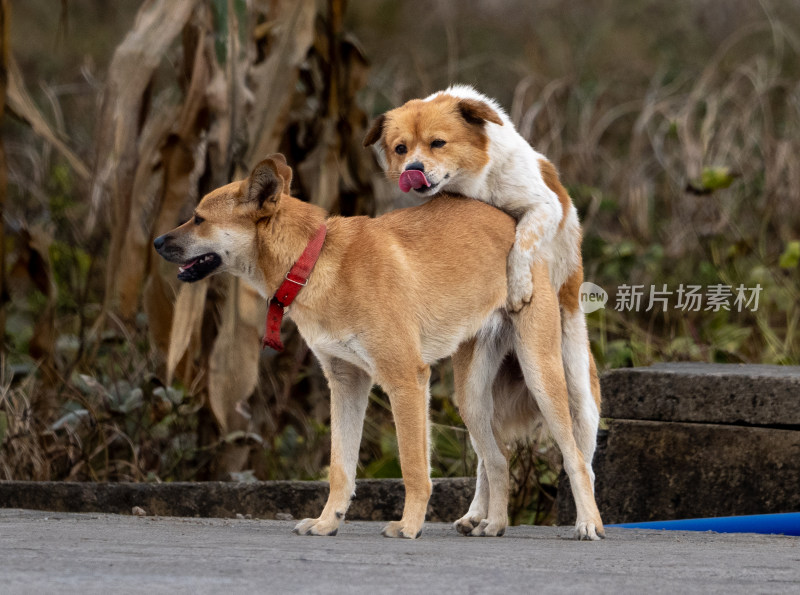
column 43, row 552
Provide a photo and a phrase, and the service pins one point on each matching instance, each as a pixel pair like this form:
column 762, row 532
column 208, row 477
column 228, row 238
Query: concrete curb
column 376, row 499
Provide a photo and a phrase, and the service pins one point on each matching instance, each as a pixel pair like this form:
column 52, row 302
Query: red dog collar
column 295, row 280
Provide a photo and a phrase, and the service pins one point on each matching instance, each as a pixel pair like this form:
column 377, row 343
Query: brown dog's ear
column 375, row 131
column 478, row 112
column 283, row 169
column 268, row 180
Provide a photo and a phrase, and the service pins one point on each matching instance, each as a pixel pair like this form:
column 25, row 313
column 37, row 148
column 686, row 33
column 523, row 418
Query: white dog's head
column 435, row 143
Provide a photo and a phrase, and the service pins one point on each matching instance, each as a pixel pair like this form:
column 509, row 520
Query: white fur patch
column 348, row 349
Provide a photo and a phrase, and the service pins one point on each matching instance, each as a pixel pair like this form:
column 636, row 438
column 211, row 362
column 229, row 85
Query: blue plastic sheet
column 773, row 524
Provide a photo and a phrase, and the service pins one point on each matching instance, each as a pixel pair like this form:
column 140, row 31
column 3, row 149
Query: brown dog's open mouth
column 199, row 268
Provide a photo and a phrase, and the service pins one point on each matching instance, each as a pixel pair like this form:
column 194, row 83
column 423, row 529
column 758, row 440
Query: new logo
column 593, row 297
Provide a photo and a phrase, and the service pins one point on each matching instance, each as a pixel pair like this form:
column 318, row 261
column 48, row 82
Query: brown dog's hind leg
column 408, row 395
column 538, row 347
column 350, row 388
column 579, row 370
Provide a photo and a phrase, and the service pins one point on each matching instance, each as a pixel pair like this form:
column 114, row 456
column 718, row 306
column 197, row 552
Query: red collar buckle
column 295, row 280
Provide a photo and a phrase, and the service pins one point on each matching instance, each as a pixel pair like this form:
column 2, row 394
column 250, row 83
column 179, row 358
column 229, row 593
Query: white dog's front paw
column 520, row 280
column 317, row 527
column 589, row 531
column 520, row 290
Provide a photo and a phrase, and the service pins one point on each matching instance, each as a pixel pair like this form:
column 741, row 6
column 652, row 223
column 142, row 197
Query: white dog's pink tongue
column 412, row 178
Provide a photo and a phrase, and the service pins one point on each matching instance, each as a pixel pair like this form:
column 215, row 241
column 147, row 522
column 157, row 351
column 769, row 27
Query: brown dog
column 387, row 298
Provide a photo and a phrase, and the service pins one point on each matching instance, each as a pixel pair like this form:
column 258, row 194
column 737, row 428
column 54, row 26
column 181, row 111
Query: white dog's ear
column 268, row 180
column 375, row 131
column 478, row 112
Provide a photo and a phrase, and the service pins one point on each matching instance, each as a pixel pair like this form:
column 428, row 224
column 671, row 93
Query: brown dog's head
column 221, row 236
column 429, row 144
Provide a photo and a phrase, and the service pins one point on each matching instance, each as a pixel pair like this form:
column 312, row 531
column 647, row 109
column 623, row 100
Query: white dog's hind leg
column 579, row 372
column 480, row 503
column 475, row 366
column 350, row 388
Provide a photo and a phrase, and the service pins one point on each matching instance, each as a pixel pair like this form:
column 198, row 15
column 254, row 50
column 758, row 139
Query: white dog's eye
column 438, row 143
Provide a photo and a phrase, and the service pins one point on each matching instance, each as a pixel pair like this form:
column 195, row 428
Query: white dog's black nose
column 415, row 165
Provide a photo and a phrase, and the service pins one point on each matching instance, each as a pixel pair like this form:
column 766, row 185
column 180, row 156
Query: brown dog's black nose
column 415, row 165
column 159, row 242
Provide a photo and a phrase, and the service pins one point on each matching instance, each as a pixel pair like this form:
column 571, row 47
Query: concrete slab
column 97, row 553
column 656, row 471
column 757, row 395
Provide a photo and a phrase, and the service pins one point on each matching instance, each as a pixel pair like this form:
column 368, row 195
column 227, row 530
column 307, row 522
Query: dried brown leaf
column 158, row 300
column 233, row 364
column 186, row 321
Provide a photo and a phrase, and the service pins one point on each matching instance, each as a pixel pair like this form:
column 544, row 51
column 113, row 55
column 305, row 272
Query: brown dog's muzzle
column 192, row 268
column 168, row 249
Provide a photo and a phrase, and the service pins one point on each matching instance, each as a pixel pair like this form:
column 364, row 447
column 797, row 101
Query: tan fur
column 387, row 298
column 550, row 176
column 569, row 293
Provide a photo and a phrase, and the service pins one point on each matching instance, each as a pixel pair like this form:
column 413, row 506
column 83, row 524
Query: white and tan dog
column 386, row 298
column 460, row 141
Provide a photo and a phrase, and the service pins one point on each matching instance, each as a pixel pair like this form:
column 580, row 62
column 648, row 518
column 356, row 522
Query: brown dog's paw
column 316, row 527
column 398, row 529
column 589, row 531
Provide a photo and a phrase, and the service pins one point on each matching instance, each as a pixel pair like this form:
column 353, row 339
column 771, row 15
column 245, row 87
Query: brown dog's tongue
column 412, row 178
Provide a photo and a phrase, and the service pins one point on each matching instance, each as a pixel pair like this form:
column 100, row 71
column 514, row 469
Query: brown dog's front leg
column 409, row 400
column 350, row 388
